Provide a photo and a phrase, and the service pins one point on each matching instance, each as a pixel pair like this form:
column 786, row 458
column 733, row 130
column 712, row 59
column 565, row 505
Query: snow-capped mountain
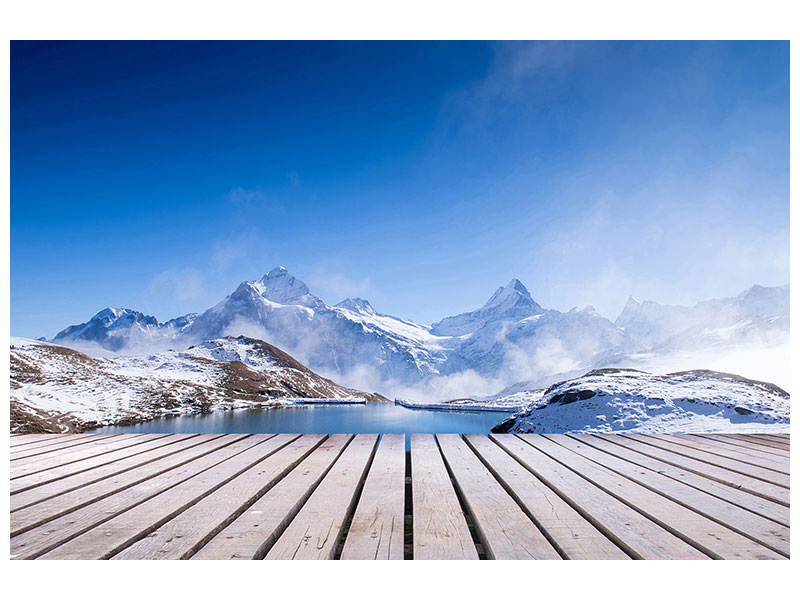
column 334, row 339
column 511, row 338
column 757, row 315
column 119, row 328
column 510, row 303
column 611, row 400
column 54, row 388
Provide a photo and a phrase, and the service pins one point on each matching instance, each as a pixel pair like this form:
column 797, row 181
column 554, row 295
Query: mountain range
column 510, row 338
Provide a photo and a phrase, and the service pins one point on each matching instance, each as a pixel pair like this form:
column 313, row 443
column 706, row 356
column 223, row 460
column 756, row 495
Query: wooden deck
column 314, row 496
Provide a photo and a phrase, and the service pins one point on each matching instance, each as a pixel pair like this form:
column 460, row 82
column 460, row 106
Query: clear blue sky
column 421, row 176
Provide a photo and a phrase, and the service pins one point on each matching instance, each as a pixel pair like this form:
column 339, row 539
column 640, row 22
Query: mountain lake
column 373, row 417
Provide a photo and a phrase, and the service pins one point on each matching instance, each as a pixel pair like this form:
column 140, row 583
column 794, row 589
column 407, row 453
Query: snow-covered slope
column 609, row 400
column 54, row 388
column 510, row 339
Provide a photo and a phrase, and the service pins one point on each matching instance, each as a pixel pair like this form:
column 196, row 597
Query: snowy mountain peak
column 513, row 290
column 632, row 302
column 512, row 297
column 110, row 314
column 512, row 302
column 118, row 322
column 281, row 286
column 760, row 300
column 358, row 305
column 277, row 271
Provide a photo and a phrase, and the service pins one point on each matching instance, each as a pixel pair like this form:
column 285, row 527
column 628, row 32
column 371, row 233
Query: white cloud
column 335, row 286
column 182, row 285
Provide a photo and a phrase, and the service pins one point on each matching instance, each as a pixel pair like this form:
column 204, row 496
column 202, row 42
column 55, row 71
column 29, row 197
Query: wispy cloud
column 334, row 285
column 522, row 77
column 182, row 285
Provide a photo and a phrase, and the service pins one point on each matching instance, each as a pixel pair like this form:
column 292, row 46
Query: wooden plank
column 759, row 529
column 28, row 455
column 568, row 530
column 729, row 460
column 156, row 448
column 709, row 536
column 314, row 532
column 772, row 446
column 29, row 439
column 114, row 535
column 730, row 441
column 51, row 446
column 23, row 439
column 39, row 464
column 35, row 541
column 39, row 513
column 43, row 478
column 505, row 531
column 440, row 529
column 779, row 437
column 43, row 440
column 254, row 532
column 772, row 463
column 685, row 456
column 377, row 529
column 628, row 449
column 776, row 444
column 757, row 443
column 181, row 536
column 763, row 442
column 639, row 536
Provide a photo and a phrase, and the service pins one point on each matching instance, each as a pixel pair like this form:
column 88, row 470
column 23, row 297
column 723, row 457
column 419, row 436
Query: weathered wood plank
column 377, row 529
column 66, row 447
column 771, row 463
column 314, row 532
column 634, row 532
column 43, row 463
column 569, row 531
column 439, row 527
column 181, row 536
column 26, row 518
column 38, row 440
column 712, row 538
column 24, row 489
column 760, row 529
column 236, row 496
column 678, row 455
column 505, row 531
column 254, row 532
column 730, row 464
column 730, row 441
column 35, row 541
column 114, row 535
column 764, row 442
column 66, row 481
column 628, row 449
column 28, row 439
column 778, row 437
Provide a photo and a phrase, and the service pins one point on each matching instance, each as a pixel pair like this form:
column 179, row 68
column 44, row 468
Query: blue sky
column 421, row 176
